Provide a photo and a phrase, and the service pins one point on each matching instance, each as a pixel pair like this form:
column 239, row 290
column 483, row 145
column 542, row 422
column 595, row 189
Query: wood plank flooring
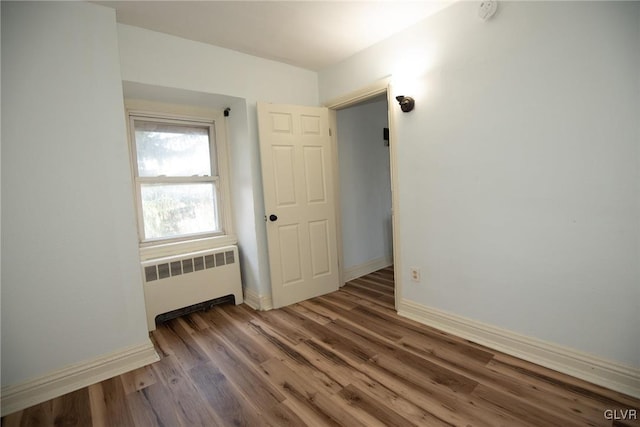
column 344, row 359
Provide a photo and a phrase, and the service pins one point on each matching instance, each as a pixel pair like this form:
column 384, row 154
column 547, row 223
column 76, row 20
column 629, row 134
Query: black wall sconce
column 406, row 103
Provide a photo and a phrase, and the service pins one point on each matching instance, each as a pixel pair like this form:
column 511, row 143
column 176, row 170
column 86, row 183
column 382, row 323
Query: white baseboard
column 21, row 396
column 366, row 268
column 581, row 365
column 257, row 302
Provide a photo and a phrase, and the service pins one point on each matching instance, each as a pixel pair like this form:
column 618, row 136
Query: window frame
column 180, row 114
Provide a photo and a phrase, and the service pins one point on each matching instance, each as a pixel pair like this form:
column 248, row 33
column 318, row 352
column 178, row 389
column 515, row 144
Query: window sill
column 177, row 248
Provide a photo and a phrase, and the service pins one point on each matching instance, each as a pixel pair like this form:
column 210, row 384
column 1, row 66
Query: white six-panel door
column 295, row 150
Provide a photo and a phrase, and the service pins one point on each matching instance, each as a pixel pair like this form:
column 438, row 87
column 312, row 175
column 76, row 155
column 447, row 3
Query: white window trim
column 168, row 247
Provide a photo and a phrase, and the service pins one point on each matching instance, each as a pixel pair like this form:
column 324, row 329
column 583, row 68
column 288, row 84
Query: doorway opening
column 364, row 214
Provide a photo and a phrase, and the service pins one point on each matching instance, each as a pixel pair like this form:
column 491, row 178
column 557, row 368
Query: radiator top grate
column 188, row 265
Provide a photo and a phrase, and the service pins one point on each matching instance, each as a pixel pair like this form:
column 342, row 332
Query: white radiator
column 183, row 280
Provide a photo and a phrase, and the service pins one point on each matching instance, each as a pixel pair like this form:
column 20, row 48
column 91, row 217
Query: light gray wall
column 518, row 171
column 365, row 183
column 71, row 282
column 158, row 59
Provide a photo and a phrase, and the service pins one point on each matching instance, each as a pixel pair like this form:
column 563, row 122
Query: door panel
column 314, row 174
column 319, row 239
column 289, row 243
column 296, row 154
column 281, row 122
column 283, row 175
column 310, row 124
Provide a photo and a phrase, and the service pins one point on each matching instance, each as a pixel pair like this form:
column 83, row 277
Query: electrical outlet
column 415, row 274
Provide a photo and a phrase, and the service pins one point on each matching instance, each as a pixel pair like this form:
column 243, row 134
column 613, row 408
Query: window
column 177, row 179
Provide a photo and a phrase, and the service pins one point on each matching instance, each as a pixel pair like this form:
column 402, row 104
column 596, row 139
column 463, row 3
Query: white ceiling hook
column 487, row 9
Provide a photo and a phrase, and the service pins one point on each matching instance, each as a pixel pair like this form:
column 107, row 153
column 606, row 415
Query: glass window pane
column 172, row 210
column 172, row 149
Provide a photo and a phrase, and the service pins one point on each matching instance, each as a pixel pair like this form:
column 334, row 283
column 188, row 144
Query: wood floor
column 345, row 359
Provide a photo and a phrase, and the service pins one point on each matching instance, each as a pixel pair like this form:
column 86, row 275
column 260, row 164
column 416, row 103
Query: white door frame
column 378, row 88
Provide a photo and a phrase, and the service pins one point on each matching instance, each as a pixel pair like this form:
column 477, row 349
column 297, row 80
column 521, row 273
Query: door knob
column 273, row 218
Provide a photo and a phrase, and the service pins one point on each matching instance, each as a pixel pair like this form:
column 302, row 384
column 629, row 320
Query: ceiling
column 310, row 34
